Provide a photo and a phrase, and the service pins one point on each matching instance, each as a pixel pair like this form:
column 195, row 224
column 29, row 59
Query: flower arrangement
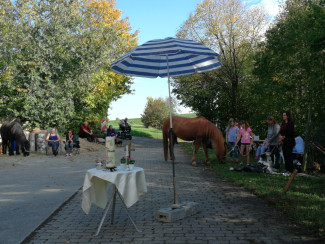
column 131, row 161
column 123, row 160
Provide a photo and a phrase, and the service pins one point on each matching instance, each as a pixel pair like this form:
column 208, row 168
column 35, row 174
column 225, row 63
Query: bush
column 155, row 112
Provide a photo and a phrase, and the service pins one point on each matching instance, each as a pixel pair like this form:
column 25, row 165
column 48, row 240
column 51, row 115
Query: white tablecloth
column 130, row 183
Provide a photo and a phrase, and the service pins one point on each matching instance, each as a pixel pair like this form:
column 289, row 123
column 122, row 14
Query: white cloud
column 272, row 6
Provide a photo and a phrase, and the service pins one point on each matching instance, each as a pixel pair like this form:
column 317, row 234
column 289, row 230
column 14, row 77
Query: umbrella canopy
column 159, row 57
column 164, row 58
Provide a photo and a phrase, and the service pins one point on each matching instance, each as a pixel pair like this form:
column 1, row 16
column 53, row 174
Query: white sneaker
column 67, row 154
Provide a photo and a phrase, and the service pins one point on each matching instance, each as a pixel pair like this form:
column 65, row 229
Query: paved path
column 229, row 214
column 32, row 188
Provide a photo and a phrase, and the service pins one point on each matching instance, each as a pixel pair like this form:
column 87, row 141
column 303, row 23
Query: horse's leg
column 11, row 147
column 205, row 149
column 241, row 153
column 197, row 145
column 4, row 147
column 17, row 147
column 170, row 147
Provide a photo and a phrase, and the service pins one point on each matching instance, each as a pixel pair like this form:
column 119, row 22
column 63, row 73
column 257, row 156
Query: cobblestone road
column 229, row 214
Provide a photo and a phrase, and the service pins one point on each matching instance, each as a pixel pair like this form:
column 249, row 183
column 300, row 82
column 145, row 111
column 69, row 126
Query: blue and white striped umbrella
column 167, row 57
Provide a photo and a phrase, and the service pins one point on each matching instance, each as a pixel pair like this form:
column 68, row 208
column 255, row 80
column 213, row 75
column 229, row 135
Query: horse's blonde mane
column 211, row 129
column 214, row 134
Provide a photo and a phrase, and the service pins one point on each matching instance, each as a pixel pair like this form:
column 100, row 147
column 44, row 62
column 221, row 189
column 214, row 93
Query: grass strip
column 304, row 202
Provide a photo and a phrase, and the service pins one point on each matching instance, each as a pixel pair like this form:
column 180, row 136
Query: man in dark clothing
column 86, row 132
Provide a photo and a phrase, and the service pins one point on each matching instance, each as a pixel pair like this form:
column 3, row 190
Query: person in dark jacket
column 287, row 137
column 111, row 131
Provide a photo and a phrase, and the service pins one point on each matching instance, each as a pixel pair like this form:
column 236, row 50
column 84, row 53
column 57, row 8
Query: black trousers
column 86, row 135
column 275, row 156
column 287, row 147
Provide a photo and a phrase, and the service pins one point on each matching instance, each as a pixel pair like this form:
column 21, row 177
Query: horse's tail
column 165, row 143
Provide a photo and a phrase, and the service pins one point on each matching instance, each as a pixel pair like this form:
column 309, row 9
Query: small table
column 127, row 184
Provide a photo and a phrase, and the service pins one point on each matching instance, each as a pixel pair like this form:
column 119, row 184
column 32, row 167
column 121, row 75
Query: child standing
column 232, row 133
column 246, row 135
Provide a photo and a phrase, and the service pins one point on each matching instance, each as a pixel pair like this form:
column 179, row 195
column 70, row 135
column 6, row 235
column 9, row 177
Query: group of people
column 124, row 124
column 241, row 135
column 54, row 139
column 71, row 139
column 238, row 135
column 85, row 131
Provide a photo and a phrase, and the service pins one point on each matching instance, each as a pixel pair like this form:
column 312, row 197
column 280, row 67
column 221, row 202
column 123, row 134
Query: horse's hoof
column 194, row 163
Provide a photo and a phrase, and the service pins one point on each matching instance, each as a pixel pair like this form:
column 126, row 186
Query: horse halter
column 27, row 151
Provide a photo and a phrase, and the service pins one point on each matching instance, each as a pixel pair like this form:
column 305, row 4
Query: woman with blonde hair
column 232, row 132
column 54, row 141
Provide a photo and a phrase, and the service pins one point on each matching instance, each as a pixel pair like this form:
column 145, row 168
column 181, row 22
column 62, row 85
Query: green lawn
column 304, row 202
column 138, row 129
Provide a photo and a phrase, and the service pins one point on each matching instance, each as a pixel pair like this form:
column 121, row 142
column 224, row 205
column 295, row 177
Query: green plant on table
column 123, row 160
column 132, row 161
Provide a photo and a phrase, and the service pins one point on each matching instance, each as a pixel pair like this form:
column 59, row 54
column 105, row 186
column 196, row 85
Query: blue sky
column 156, row 19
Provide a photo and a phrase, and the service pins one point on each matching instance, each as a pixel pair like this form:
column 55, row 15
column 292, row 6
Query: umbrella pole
column 171, row 136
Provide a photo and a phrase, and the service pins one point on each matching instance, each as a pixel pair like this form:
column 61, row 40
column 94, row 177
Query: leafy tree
column 156, row 111
column 56, row 58
column 233, row 30
column 290, row 66
column 102, row 16
column 7, row 90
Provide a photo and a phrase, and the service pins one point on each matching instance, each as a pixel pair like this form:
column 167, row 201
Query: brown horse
column 198, row 129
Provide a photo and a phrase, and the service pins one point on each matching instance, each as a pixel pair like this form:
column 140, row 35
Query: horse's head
column 25, row 148
column 220, row 146
column 225, row 151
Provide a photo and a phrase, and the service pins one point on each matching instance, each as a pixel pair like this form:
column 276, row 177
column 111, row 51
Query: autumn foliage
column 55, row 58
